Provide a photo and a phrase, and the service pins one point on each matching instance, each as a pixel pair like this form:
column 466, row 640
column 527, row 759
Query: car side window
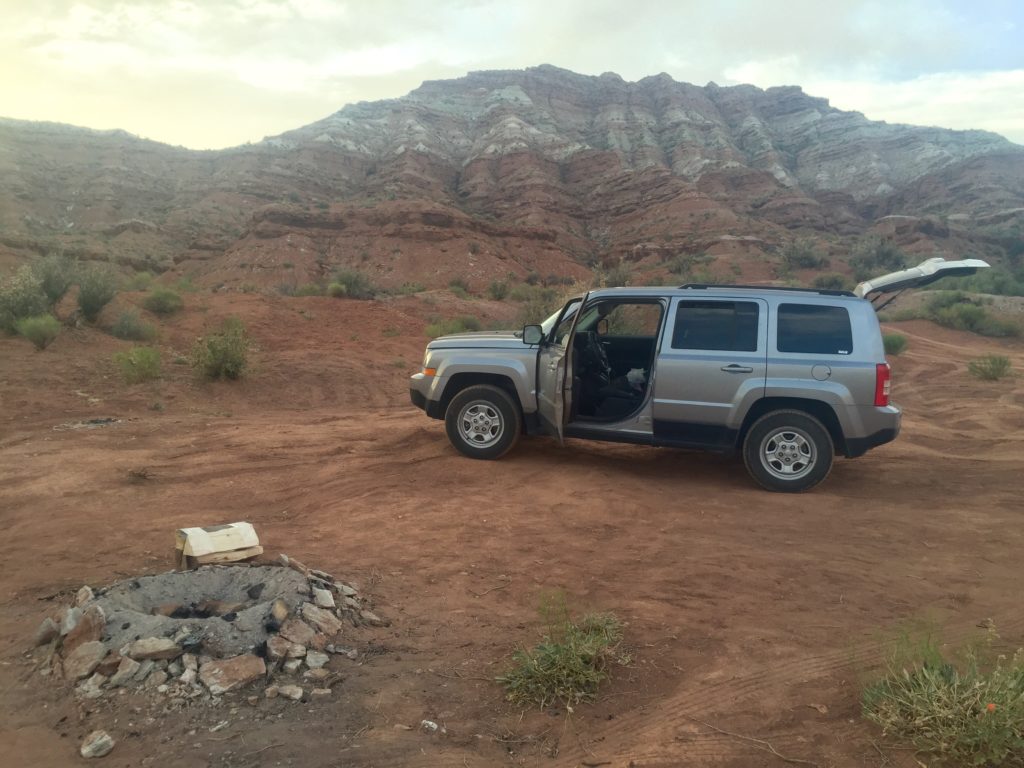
column 814, row 329
column 729, row 326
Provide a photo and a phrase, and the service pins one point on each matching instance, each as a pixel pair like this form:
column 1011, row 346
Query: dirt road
column 751, row 612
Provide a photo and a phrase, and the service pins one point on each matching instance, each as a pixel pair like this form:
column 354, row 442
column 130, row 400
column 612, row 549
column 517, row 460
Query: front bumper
column 420, row 388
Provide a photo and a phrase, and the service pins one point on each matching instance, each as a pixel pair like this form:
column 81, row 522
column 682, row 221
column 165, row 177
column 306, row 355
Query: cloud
column 210, row 73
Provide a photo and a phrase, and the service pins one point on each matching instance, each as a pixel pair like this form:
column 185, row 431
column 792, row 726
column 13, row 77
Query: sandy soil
column 755, row 613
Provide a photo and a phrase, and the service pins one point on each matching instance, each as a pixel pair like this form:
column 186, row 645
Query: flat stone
column 126, row 670
column 345, row 589
column 351, row 602
column 84, row 595
column 316, row 675
column 372, row 619
column 271, row 692
column 69, row 620
column 96, row 744
column 293, row 692
column 110, row 664
column 292, row 666
column 175, row 668
column 154, row 648
column 224, row 675
column 90, row 626
column 296, row 651
column 188, row 677
column 189, row 661
column 316, row 659
column 84, row 659
column 298, row 631
column 317, row 693
column 93, row 687
column 144, row 670
column 322, row 575
column 323, row 598
column 341, row 650
column 156, row 678
column 323, row 620
column 47, row 630
column 277, row 647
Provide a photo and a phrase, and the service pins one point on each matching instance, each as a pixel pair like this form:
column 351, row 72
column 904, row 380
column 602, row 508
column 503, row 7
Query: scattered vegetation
column 140, row 281
column 684, row 264
column 163, row 301
column 966, row 708
column 407, row 289
column 874, row 256
column 56, row 274
column 569, row 663
column 132, row 327
column 831, row 281
column 354, row 284
column 21, row 296
column 444, row 327
column 138, row 364
column 459, row 287
column 224, row 353
column 536, row 303
column 955, row 309
column 498, row 290
column 309, row 289
column 894, row 343
column 802, row 254
column 41, row 330
column 615, row 276
column 997, row 281
column 990, row 367
column 97, row 285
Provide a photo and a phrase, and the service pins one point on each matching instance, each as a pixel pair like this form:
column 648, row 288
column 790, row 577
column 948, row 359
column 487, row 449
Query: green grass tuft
column 41, row 330
column 990, row 367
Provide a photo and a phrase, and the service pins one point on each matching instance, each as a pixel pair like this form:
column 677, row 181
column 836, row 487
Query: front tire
column 483, row 422
column 788, row 451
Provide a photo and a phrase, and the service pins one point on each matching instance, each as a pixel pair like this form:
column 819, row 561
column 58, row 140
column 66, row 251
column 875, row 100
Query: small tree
column 40, row 330
column 223, row 354
column 96, row 287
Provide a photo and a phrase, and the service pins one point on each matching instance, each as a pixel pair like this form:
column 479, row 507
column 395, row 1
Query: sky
column 215, row 73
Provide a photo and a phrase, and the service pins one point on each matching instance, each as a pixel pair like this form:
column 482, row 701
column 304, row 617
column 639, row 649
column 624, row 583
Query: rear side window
column 720, row 325
column 814, row 329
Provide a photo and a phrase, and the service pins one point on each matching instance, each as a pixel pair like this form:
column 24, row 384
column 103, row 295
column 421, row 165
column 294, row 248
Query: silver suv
column 787, row 377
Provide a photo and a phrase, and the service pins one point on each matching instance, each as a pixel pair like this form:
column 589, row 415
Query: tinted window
column 722, row 325
column 814, row 329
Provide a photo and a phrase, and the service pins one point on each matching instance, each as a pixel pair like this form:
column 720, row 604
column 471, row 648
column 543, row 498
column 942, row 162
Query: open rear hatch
column 877, row 289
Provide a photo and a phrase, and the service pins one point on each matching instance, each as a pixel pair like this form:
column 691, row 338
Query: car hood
column 480, row 340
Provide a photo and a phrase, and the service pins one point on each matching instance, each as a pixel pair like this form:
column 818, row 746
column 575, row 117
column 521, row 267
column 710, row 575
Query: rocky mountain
column 511, row 172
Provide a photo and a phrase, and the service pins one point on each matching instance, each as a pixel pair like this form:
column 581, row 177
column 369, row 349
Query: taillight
column 883, row 384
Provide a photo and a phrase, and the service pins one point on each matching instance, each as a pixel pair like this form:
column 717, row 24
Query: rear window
column 721, row 325
column 814, row 329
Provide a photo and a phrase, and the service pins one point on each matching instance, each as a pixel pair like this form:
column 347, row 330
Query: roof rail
column 821, row 291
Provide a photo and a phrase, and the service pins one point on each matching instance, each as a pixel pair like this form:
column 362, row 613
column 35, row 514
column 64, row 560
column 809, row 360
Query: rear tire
column 788, row 451
column 483, row 422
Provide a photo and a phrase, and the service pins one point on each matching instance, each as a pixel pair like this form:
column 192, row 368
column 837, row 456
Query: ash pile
column 195, row 635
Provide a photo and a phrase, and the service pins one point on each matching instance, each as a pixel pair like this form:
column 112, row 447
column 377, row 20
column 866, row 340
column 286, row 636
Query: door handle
column 734, row 368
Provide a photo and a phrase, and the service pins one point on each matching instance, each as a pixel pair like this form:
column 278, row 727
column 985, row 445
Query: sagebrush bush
column 990, row 367
column 96, row 287
column 310, row 289
column 874, row 256
column 140, row 281
column 894, row 343
column 138, row 364
column 41, row 330
column 224, row 353
column 802, row 254
column 966, row 708
column 131, row 327
column 459, row 287
column 831, row 281
column 21, row 295
column 56, row 274
column 955, row 309
column 357, row 285
column 497, row 290
column 446, row 327
column 163, row 301
column 569, row 663
column 337, row 290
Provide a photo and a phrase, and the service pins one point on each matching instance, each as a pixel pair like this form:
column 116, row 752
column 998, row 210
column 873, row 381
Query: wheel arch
column 822, row 411
column 460, row 381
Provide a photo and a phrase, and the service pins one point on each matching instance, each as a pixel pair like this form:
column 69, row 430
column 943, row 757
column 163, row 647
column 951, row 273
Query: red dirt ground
column 752, row 612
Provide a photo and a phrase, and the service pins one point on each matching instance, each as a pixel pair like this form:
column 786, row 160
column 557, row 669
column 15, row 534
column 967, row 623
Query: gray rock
column 372, row 619
column 188, row 677
column 316, row 659
column 316, row 675
column 96, row 744
column 341, row 650
column 84, row 595
column 126, row 670
column 298, row 631
column 271, row 692
column 154, row 648
column 296, row 651
column 175, row 668
column 224, row 675
column 47, row 630
column 156, row 678
column 70, row 620
column 84, row 659
column 92, row 688
column 323, row 598
column 345, row 589
column 145, row 668
column 318, row 693
column 292, row 666
column 293, row 692
column 325, row 621
column 189, row 661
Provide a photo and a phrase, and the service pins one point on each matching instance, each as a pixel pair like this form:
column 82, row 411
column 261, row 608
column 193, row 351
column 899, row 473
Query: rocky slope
column 511, row 172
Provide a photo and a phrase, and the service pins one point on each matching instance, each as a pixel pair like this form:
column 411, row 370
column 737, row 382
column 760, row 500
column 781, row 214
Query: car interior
column 613, row 353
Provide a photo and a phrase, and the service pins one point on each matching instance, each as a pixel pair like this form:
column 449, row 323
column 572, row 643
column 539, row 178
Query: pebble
column 97, row 744
column 316, row 674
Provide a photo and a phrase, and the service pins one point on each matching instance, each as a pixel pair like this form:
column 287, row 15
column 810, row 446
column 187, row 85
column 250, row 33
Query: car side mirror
column 532, row 334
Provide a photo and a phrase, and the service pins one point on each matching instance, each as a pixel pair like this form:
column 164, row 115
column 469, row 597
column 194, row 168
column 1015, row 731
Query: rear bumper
column 858, row 446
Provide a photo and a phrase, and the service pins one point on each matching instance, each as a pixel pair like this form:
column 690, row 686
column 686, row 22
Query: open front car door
column 925, row 273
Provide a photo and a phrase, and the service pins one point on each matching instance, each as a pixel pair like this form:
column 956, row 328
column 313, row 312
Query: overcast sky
column 216, row 73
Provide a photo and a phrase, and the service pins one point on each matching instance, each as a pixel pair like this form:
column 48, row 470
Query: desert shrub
column 998, row 281
column 874, row 256
column 407, row 289
column 444, row 327
column 497, row 290
column 140, row 281
column 309, row 289
column 185, row 285
column 832, row 281
column 894, row 343
column 954, row 309
column 357, row 285
column 474, row 247
column 224, row 353
column 533, row 277
column 96, row 287
column 990, row 367
column 132, row 327
column 56, row 274
column 536, row 303
column 459, row 287
column 802, row 254
column 163, row 301
column 568, row 664
column 138, row 364
column 21, row 295
column 337, row 290
column 40, row 330
column 684, row 263
column 966, row 708
column 615, row 276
